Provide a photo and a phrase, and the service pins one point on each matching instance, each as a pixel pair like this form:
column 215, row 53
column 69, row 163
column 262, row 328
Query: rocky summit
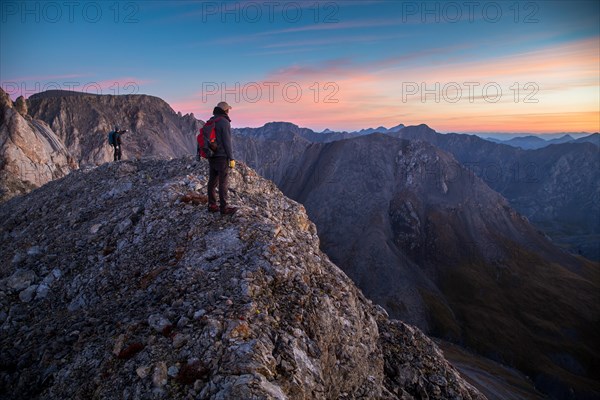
column 117, row 283
column 30, row 153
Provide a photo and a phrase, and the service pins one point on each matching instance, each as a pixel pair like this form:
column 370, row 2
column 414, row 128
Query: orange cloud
column 518, row 123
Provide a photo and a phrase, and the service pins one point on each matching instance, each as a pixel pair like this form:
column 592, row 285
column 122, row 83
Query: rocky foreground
column 116, row 283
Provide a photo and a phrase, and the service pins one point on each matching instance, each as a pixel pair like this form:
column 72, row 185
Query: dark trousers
column 218, row 171
column 117, row 148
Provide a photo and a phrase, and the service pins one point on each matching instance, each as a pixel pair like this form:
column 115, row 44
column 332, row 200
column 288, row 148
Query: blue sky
column 464, row 66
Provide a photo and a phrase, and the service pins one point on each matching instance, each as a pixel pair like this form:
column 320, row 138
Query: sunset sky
column 458, row 66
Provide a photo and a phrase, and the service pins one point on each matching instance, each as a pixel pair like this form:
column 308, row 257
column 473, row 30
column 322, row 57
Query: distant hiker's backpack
column 111, row 138
column 207, row 138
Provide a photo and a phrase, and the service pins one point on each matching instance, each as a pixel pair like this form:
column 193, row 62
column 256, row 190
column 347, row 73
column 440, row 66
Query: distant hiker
column 114, row 139
column 215, row 144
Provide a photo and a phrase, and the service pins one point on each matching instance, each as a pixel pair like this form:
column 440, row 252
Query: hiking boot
column 228, row 211
column 213, row 208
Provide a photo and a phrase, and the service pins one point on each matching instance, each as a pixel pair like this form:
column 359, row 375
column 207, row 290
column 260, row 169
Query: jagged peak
column 5, row 99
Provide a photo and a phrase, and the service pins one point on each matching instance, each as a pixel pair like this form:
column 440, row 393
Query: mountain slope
column 423, row 236
column 30, row 153
column 555, row 187
column 82, row 121
column 118, row 283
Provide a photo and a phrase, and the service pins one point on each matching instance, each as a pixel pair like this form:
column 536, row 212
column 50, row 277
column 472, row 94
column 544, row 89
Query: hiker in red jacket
column 221, row 161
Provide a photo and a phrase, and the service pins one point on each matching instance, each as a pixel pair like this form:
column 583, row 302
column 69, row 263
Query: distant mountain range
column 546, row 136
column 434, row 227
column 537, row 142
column 528, row 142
column 368, row 131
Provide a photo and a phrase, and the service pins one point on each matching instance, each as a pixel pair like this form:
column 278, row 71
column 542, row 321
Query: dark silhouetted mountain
column 327, row 130
column 289, row 131
column 31, row 155
column 555, row 187
column 527, row 142
column 82, row 122
column 563, row 139
column 116, row 282
column 368, row 131
column 283, row 130
column 381, row 129
column 533, row 142
column 593, row 138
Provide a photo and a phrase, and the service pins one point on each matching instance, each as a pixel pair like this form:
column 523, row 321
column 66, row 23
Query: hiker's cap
column 224, row 106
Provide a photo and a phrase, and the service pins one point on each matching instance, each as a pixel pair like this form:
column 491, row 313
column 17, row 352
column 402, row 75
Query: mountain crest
column 226, row 307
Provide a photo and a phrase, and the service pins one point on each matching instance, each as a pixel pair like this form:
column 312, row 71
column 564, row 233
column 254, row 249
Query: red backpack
column 207, row 138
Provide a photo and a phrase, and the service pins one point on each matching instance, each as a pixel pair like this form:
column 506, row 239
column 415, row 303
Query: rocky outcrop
column 30, row 153
column 21, row 106
column 116, row 282
column 82, row 121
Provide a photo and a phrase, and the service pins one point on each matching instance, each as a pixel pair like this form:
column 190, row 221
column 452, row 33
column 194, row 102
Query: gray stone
column 27, row 295
column 173, row 371
column 159, row 376
column 34, row 251
column 143, row 371
column 20, row 279
column 18, row 258
column 158, row 322
column 179, row 340
column 42, row 291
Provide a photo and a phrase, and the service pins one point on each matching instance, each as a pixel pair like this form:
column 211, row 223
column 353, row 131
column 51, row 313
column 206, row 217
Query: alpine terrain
column 116, row 282
column 482, row 244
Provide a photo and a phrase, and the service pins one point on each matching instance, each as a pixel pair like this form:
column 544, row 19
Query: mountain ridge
column 229, row 307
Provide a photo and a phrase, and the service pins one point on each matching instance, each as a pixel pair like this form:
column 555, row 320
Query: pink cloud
column 344, row 95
